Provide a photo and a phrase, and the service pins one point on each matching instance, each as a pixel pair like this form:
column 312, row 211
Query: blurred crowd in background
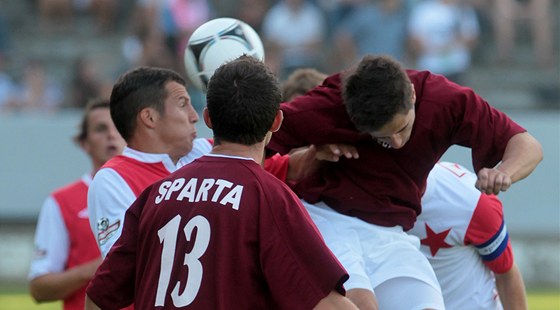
column 442, row 36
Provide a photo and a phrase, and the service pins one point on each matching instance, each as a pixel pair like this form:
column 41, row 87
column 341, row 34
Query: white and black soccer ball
column 216, row 42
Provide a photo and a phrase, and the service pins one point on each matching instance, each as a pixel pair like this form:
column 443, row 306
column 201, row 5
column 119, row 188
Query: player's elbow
column 539, row 151
column 41, row 291
column 38, row 294
column 534, row 147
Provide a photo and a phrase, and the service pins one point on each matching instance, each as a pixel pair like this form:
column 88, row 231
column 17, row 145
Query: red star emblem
column 434, row 240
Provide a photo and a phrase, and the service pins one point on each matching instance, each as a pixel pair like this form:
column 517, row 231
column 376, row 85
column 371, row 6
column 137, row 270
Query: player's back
column 219, row 234
column 448, row 206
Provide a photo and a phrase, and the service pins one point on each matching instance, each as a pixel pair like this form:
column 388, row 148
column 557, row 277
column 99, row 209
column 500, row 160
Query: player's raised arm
column 523, row 153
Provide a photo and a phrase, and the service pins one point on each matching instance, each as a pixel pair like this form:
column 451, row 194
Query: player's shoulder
column 251, row 172
column 449, row 172
column 201, row 147
column 450, row 184
column 203, row 144
column 432, row 87
column 70, row 188
column 116, row 161
column 122, row 166
column 106, row 179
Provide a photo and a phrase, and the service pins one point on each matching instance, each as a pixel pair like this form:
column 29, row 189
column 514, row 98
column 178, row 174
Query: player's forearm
column 511, row 289
column 60, row 285
column 523, row 153
column 302, row 163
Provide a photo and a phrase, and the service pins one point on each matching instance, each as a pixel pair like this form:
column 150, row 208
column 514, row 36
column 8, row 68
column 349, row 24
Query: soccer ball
column 217, row 42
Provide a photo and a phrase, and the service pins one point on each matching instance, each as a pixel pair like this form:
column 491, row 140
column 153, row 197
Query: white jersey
column 52, row 238
column 463, row 234
column 117, row 184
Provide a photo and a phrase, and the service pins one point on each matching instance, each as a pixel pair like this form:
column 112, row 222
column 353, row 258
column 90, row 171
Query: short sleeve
column 471, row 121
column 117, row 272
column 487, row 232
column 109, row 196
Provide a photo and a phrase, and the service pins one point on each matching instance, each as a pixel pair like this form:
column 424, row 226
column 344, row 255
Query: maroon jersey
column 384, row 186
column 219, row 233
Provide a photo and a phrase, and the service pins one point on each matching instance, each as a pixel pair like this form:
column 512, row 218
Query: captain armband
column 494, row 247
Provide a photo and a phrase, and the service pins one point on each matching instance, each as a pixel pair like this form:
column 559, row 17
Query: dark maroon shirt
column 384, row 186
column 219, row 233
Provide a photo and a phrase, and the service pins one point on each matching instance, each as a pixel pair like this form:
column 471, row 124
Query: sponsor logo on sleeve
column 106, row 230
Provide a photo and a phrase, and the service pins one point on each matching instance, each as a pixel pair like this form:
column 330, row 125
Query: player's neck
column 255, row 151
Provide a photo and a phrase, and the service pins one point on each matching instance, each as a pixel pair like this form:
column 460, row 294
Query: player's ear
column 206, row 116
column 148, row 117
column 84, row 145
column 277, row 121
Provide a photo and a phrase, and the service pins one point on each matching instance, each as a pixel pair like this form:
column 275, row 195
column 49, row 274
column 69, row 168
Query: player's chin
column 112, row 151
column 187, row 146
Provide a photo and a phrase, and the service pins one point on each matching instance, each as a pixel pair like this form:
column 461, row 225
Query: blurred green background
column 544, row 300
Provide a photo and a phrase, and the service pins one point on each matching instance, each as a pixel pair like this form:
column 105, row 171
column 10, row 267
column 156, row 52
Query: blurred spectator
column 55, row 14
column 293, row 33
column 300, row 81
column 154, row 51
column 443, row 34
column 35, row 92
column 7, row 85
column 7, row 89
column 336, row 11
column 4, row 37
column 371, row 27
column 86, row 83
column 252, row 12
column 104, row 12
column 163, row 27
column 59, row 14
column 539, row 13
column 187, row 15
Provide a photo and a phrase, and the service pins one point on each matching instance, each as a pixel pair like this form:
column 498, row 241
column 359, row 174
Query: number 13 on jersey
column 168, row 236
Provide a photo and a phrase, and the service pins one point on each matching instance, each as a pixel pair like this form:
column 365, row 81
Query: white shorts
column 372, row 254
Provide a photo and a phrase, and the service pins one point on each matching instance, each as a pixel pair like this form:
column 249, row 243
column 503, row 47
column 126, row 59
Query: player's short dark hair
column 375, row 91
column 92, row 104
column 243, row 99
column 138, row 89
column 301, row 81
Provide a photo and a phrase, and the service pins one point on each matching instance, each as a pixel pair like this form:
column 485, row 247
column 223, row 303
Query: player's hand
column 333, row 152
column 492, row 181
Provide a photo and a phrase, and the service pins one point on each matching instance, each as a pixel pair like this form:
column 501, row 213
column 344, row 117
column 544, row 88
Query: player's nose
column 193, row 115
column 113, row 133
column 397, row 141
